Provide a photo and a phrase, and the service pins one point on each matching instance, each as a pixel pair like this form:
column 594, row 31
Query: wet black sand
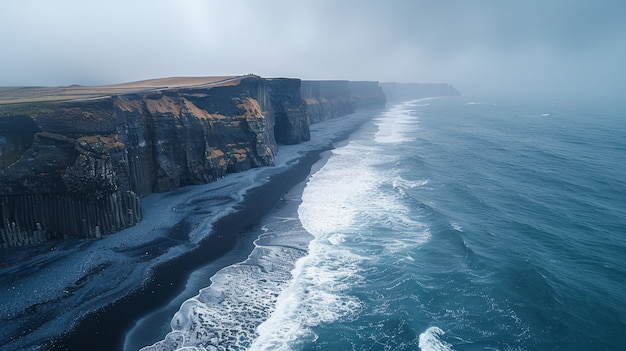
column 106, row 328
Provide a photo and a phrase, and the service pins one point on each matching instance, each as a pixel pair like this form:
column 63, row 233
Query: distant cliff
column 326, row 99
column 367, row 95
column 404, row 91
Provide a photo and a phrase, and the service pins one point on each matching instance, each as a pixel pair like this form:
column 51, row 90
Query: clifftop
column 17, row 95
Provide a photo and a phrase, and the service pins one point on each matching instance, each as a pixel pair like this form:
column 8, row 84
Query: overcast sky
column 478, row 46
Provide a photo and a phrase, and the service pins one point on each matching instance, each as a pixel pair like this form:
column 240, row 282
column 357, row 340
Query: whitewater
column 442, row 224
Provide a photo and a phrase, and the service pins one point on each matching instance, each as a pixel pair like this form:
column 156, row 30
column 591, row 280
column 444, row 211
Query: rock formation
column 78, row 167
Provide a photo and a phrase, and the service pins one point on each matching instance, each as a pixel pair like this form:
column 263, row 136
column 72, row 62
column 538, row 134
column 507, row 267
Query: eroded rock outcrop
column 284, row 102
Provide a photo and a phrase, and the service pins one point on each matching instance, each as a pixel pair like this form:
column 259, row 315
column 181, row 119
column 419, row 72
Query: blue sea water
column 454, row 224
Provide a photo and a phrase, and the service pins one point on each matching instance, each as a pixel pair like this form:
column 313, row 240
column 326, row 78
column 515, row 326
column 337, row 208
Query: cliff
column 78, row 168
column 326, row 99
column 74, row 161
column 406, row 91
column 367, row 95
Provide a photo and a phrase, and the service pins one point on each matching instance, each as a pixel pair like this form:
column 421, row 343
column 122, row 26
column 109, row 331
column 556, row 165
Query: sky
column 479, row 46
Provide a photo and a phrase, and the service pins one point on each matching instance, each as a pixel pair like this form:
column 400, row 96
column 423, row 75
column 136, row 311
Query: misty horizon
column 488, row 47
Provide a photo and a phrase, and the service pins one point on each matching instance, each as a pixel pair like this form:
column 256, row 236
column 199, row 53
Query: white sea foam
column 456, row 226
column 392, row 125
column 225, row 315
column 430, row 340
column 481, row 103
column 338, row 204
column 317, row 292
column 315, row 295
column 400, row 182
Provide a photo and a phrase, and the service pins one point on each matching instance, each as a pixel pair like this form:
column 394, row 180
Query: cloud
column 483, row 46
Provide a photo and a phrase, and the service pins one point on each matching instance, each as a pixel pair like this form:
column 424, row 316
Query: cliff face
column 283, row 100
column 367, row 95
column 405, row 91
column 79, row 168
column 334, row 98
column 326, row 99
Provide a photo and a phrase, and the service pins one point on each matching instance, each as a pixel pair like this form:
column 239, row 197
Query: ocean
column 443, row 224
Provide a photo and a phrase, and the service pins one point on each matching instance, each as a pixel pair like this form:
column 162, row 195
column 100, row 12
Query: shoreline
column 254, row 242
column 167, row 279
column 89, row 334
column 253, row 237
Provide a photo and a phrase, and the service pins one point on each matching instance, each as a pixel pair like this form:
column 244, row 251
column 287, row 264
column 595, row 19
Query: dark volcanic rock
column 289, row 110
column 78, row 168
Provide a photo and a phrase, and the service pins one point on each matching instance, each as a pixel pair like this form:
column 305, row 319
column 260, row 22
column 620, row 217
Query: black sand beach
column 106, row 328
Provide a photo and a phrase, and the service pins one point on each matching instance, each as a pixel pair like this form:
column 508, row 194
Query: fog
column 481, row 47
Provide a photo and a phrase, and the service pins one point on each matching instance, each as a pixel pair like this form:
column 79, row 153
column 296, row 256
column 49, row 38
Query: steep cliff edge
column 78, row 168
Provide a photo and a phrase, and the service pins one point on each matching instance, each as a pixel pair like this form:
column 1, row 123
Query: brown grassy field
column 16, row 95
